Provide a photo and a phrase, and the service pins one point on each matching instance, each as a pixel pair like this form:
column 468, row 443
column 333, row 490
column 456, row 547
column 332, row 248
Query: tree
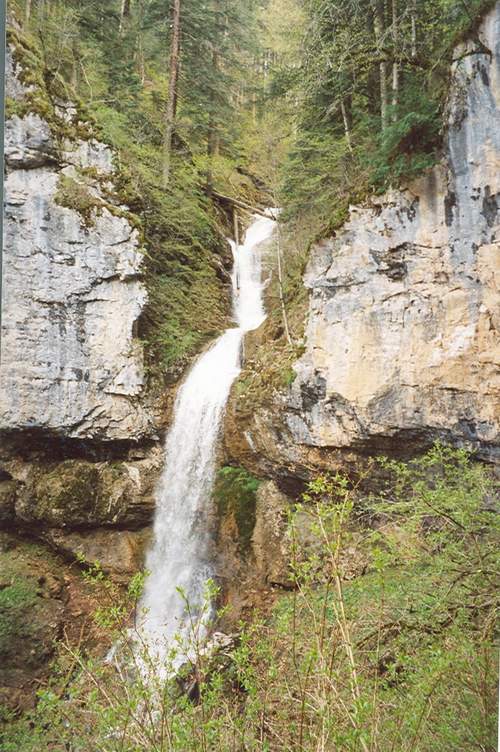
column 175, row 48
column 124, row 14
column 378, row 25
column 395, row 60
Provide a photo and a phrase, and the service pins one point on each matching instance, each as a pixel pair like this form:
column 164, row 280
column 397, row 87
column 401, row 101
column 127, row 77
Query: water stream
column 180, row 560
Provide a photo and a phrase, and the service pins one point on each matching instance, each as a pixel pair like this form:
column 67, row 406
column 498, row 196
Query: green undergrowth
column 386, row 641
column 18, row 597
column 28, row 618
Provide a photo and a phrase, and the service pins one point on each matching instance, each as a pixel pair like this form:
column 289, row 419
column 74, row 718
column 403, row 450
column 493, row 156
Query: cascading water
column 179, row 561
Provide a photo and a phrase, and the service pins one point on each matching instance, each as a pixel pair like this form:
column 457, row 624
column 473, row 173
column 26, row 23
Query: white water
column 180, row 557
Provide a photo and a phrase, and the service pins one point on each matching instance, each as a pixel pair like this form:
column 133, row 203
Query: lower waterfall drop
column 180, row 559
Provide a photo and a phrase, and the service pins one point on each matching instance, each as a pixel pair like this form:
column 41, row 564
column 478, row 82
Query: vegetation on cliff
column 385, row 642
column 112, row 59
column 367, row 96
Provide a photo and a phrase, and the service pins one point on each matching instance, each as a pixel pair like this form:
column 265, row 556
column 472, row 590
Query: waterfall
column 181, row 557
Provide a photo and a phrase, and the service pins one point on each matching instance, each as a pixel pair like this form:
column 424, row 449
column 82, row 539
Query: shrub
column 386, row 642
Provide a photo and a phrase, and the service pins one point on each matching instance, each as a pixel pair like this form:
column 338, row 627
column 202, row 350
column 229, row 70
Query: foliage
column 385, row 643
column 352, row 136
column 17, row 599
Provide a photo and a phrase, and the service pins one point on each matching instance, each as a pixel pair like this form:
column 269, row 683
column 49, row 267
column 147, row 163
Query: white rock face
column 402, row 338
column 72, row 295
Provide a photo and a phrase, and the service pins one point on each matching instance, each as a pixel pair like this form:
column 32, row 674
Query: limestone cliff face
column 72, row 286
column 79, row 455
column 402, row 336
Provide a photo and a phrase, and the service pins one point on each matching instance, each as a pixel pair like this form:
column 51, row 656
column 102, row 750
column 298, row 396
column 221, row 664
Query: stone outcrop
column 118, row 552
column 71, row 363
column 402, row 342
column 78, row 493
column 79, row 452
column 270, row 546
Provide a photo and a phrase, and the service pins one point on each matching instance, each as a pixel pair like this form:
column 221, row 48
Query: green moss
column 44, row 88
column 235, row 493
column 69, row 493
column 77, row 196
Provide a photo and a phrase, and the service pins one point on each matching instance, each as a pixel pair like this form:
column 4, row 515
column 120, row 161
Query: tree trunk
column 347, row 124
column 211, row 152
column 76, row 64
column 414, row 28
column 140, row 44
column 124, row 15
column 395, row 61
column 379, row 25
column 172, row 91
column 214, row 138
column 27, row 12
column 213, row 141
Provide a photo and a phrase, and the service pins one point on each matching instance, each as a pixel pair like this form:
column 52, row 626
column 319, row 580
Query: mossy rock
column 68, row 495
column 7, row 500
column 77, row 493
column 75, row 195
column 236, row 496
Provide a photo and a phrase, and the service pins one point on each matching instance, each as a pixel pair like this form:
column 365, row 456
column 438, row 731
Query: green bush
column 387, row 641
column 17, row 599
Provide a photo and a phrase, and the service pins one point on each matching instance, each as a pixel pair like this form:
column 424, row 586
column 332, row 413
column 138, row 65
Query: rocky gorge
column 401, row 343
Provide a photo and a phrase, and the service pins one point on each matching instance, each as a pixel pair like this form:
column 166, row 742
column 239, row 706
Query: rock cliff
column 79, row 452
column 401, row 341
column 71, row 363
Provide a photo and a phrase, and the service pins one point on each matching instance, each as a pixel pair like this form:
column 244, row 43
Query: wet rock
column 215, row 657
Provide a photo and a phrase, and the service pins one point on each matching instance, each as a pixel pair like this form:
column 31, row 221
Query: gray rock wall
column 402, row 336
column 72, row 289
